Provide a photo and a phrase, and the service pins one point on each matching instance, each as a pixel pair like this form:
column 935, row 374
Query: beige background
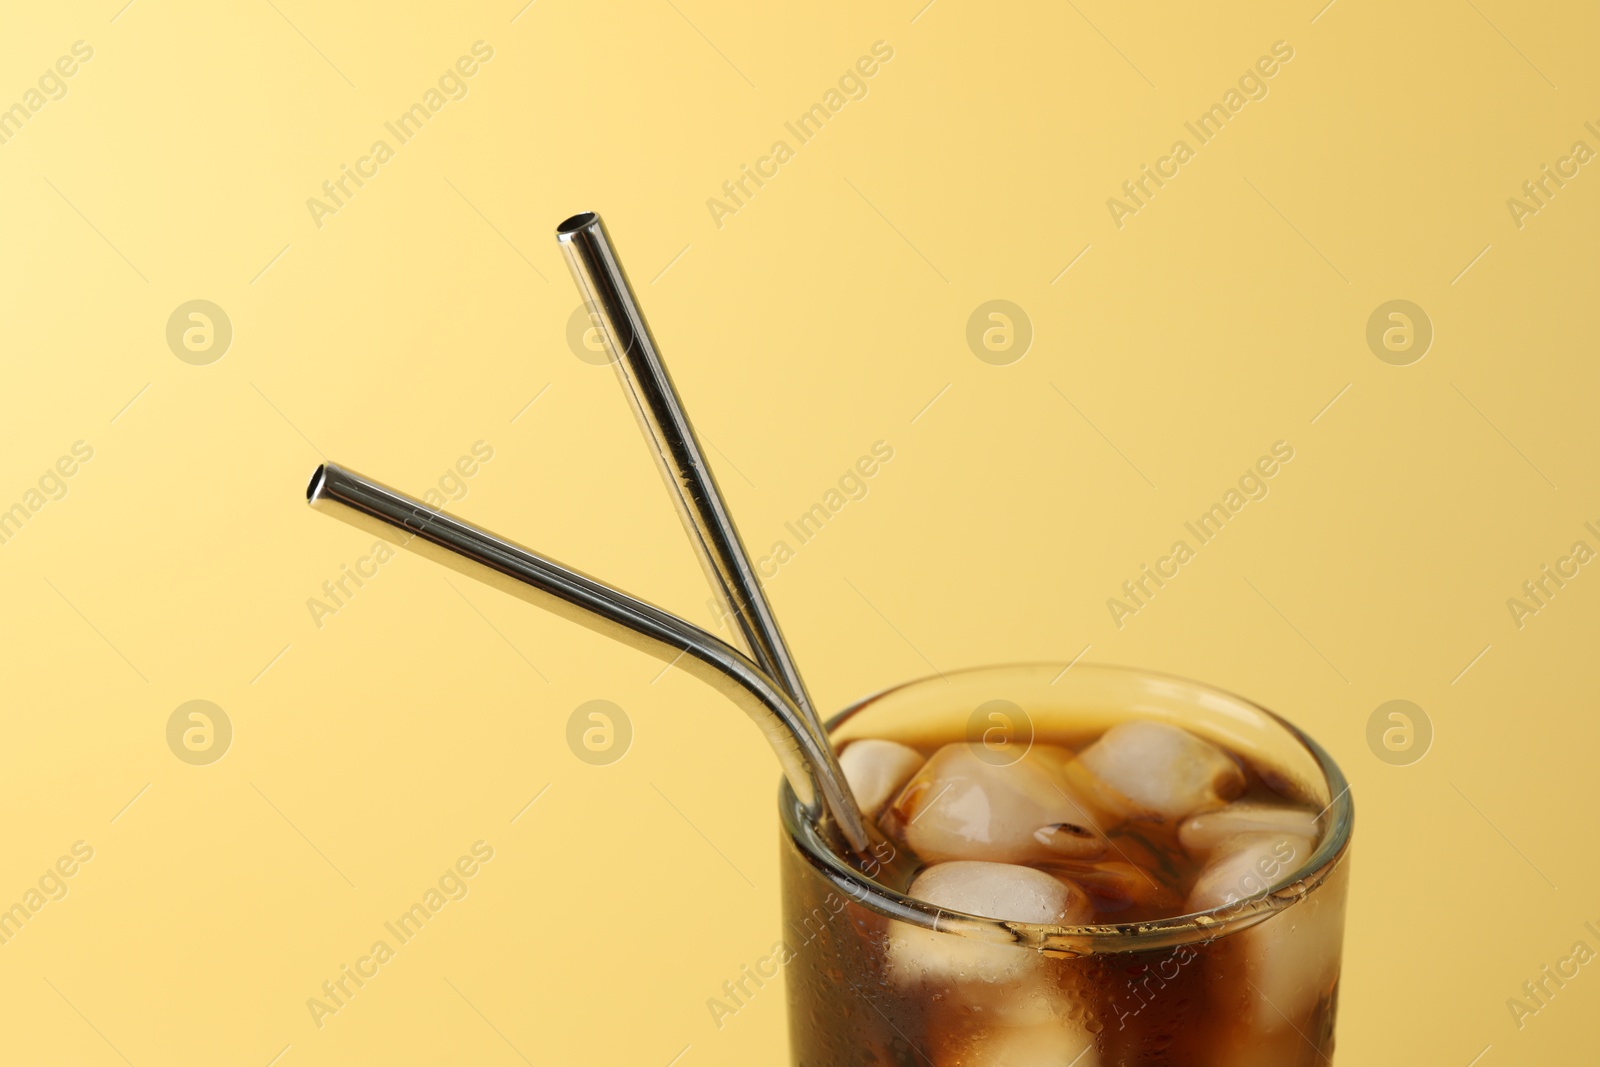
column 829, row 313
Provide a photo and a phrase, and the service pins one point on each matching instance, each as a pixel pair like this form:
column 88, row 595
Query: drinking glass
column 1250, row 984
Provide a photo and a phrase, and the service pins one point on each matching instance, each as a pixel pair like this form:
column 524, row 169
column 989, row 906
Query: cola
column 1108, row 890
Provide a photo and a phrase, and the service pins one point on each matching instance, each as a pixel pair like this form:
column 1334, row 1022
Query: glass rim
column 1099, row 938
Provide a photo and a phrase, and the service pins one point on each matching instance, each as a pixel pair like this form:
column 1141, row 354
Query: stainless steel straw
column 605, row 290
column 807, row 761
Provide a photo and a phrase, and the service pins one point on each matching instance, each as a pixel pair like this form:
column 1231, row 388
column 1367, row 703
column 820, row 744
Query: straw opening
column 577, row 222
column 317, row 479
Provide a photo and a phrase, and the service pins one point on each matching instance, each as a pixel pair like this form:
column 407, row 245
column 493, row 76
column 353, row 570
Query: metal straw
column 610, row 299
column 808, row 762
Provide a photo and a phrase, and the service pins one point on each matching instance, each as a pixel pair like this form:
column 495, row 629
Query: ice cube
column 876, row 770
column 1202, row 833
column 1247, row 865
column 1002, row 891
column 1293, row 961
column 1054, row 1044
column 1155, row 771
column 960, row 806
column 1289, row 963
column 1276, row 979
column 996, row 891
